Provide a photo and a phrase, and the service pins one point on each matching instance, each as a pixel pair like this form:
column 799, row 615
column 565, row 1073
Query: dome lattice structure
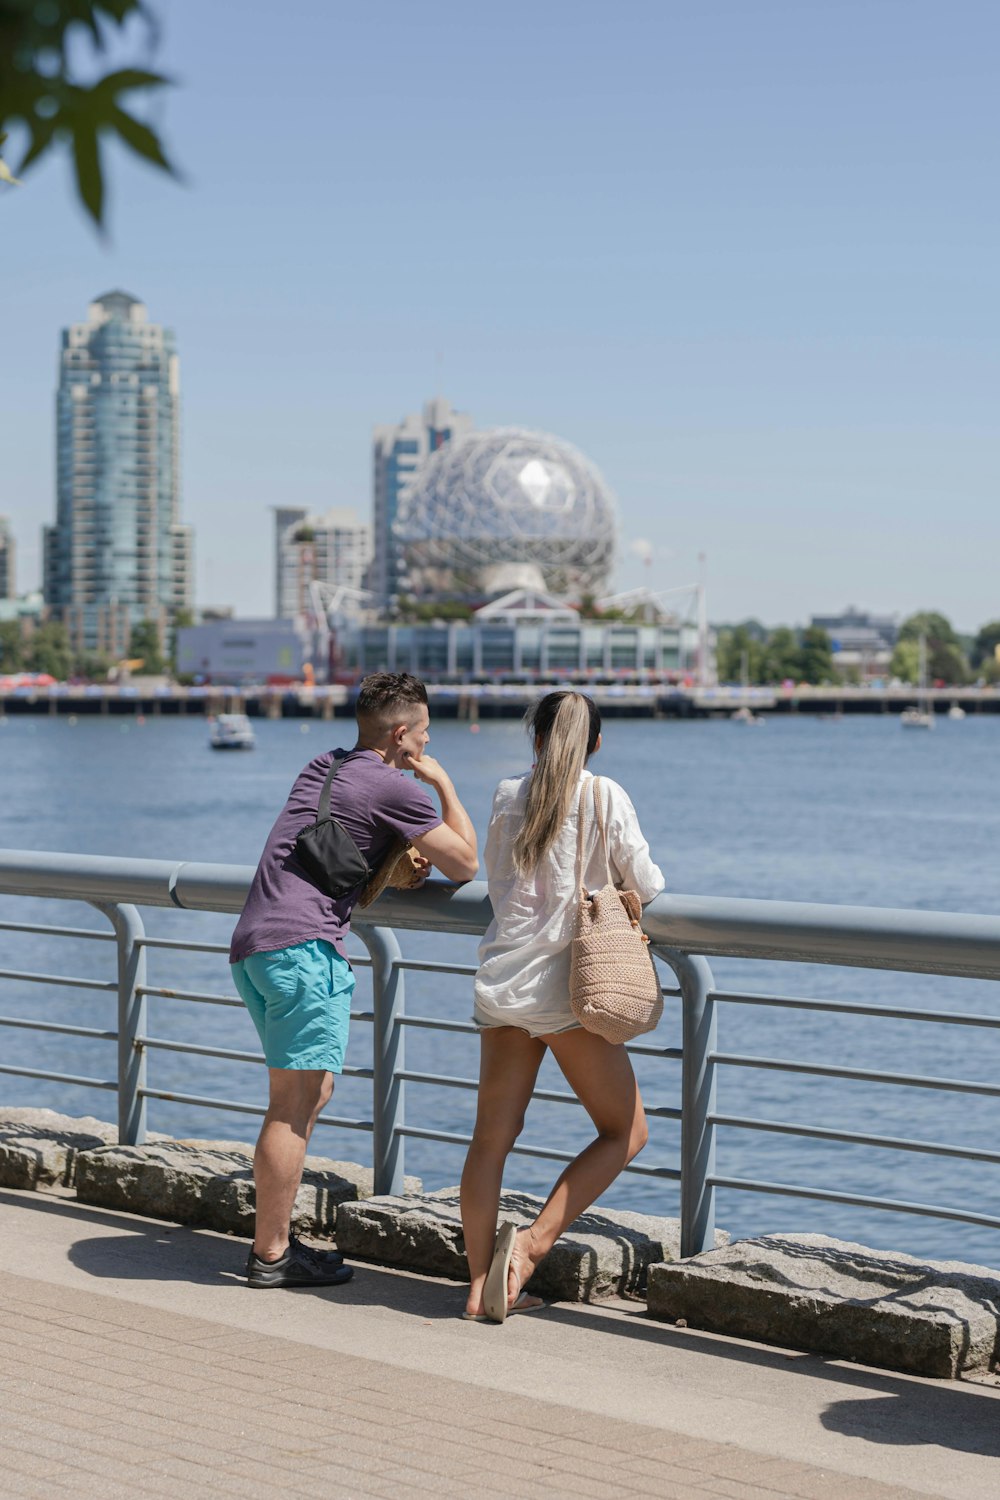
column 503, row 509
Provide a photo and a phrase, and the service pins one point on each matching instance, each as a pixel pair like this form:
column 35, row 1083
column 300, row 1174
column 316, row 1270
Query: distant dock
column 482, row 700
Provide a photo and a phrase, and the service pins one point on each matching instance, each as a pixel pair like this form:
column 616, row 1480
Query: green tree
column 49, row 52
column 945, row 658
column 816, row 657
column 782, row 657
column 905, row 663
column 985, row 644
column 11, row 647
column 49, row 651
column 181, row 620
column 144, row 643
column 93, row 666
column 737, row 650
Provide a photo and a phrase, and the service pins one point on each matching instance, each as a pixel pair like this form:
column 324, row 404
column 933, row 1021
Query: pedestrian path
column 135, row 1362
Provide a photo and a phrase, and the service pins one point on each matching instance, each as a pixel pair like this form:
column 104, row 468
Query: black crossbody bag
column 331, row 858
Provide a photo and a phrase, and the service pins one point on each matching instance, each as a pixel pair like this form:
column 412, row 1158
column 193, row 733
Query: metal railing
column 685, row 932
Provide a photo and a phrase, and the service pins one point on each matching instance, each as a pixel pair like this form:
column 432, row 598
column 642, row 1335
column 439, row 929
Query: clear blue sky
column 744, row 253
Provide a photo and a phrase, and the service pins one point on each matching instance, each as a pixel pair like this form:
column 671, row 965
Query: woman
column 522, row 998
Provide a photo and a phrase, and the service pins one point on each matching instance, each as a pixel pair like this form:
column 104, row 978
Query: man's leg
column 298, row 1096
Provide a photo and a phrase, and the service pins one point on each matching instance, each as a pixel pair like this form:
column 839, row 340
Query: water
column 851, row 811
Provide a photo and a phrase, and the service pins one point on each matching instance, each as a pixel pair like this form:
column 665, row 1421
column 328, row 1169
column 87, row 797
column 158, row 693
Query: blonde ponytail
column 568, row 735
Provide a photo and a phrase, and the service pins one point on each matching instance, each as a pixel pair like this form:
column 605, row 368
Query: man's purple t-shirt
column 374, row 802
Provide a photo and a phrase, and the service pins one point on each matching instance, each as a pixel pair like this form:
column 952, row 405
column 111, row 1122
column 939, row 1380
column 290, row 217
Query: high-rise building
column 333, row 549
column 397, row 452
column 117, row 553
column 8, row 584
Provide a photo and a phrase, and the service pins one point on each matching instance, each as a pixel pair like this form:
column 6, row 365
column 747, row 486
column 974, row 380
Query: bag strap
column 323, row 811
column 599, row 815
column 581, row 821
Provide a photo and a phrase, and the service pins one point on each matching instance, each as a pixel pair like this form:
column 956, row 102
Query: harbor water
column 850, row 810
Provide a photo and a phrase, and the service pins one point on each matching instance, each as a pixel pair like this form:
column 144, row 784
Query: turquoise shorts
column 299, row 999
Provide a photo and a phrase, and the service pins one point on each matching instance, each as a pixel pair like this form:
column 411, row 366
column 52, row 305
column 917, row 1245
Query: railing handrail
column 912, row 941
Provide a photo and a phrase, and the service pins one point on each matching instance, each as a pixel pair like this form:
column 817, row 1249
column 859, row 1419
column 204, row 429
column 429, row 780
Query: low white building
column 245, row 651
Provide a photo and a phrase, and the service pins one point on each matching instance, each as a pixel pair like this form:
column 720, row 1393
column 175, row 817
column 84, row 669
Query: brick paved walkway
column 105, row 1398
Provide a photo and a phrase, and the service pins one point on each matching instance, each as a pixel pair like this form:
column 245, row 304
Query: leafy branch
column 40, row 89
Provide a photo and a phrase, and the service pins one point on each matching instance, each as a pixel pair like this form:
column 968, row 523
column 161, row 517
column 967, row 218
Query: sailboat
column 745, row 714
column 922, row 715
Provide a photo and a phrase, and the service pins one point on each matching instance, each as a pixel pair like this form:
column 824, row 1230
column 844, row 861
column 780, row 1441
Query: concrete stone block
column 810, row 1292
column 602, row 1254
column 39, row 1148
column 210, row 1183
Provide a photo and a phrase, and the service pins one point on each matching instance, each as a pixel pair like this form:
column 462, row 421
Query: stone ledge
column 39, row 1148
column 602, row 1254
column 210, row 1183
column 810, row 1292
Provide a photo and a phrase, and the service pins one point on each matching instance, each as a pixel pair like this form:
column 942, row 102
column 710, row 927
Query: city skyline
column 770, row 319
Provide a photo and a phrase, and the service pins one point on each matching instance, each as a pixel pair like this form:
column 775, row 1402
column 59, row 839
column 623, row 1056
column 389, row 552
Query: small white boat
column 956, row 711
column 232, row 732
column 916, row 718
column 746, row 715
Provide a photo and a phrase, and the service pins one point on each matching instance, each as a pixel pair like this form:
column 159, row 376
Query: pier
column 487, row 700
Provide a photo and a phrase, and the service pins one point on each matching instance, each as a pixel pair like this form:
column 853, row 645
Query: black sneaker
column 299, row 1266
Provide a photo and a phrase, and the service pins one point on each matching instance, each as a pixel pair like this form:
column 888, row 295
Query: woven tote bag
column 613, row 986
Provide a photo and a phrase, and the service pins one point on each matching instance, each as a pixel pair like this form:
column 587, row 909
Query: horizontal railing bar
column 361, row 961
column 165, row 1044
column 862, row 1075
column 431, row 1023
column 191, row 997
column 856, row 1200
column 64, row 1028
column 928, row 942
column 64, row 981
column 646, row 1049
column 74, row 932
column 431, row 966
column 453, row 1138
column 854, row 1007
column 181, row 945
column 90, row 1083
column 548, row 1096
column 245, row 1109
column 854, row 1138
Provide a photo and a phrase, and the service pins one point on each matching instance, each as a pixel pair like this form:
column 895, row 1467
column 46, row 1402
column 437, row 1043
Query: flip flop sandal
column 495, row 1290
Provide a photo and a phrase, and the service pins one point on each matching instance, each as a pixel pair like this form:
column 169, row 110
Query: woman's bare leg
column 601, row 1076
column 509, row 1063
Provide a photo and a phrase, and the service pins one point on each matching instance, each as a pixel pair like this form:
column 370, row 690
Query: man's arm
column 452, row 847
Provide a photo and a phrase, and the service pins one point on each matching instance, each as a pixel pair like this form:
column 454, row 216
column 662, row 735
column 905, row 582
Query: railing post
column 388, row 1058
column 697, row 1103
column 131, row 1022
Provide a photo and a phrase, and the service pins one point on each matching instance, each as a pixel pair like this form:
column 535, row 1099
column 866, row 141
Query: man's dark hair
column 386, row 698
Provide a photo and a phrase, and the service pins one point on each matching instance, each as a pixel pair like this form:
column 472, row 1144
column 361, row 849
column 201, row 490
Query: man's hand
column 412, row 879
column 427, row 769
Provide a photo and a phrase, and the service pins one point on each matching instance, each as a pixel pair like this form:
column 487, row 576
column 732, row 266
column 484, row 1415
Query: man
column 287, row 952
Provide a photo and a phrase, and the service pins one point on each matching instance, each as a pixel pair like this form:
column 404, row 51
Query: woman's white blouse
column 523, row 977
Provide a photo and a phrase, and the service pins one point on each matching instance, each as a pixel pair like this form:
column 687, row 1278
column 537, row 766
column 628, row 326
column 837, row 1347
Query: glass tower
column 397, row 453
column 117, row 553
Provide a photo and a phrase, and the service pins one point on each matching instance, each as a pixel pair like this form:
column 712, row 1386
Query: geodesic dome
column 505, row 509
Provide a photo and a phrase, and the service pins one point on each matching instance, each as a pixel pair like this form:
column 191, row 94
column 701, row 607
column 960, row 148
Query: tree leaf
column 144, row 142
column 89, row 181
column 6, row 175
column 129, row 78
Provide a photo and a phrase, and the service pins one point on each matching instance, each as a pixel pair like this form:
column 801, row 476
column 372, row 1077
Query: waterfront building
column 506, row 509
column 8, row 588
column 245, row 651
column 861, row 642
column 397, row 453
column 117, row 553
column 528, row 636
column 334, row 549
